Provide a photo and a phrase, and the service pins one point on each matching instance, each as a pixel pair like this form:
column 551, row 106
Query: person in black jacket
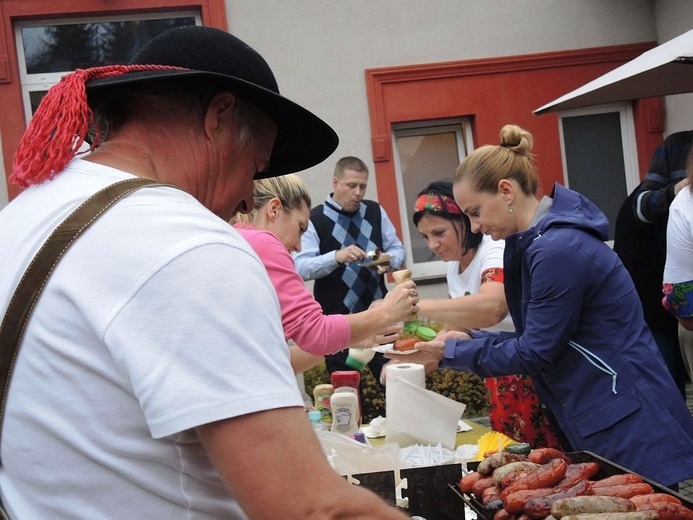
column 640, row 242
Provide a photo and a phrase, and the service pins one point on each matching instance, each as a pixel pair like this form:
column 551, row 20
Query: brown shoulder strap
column 37, row 274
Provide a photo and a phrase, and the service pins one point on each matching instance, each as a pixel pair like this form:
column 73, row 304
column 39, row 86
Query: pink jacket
column 302, row 317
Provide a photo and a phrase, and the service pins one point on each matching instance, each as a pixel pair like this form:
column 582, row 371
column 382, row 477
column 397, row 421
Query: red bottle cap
column 350, row 378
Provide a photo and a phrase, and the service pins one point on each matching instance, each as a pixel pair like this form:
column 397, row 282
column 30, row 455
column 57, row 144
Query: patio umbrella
column 662, row 71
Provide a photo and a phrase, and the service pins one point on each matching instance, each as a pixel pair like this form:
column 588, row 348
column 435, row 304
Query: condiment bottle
column 426, row 333
column 322, row 394
column 351, row 379
column 345, row 411
column 412, row 322
column 358, row 358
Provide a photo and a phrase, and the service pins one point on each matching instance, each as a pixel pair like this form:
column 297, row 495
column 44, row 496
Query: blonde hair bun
column 517, row 139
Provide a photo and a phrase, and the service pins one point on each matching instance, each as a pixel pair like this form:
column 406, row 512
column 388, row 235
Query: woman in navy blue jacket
column 580, row 332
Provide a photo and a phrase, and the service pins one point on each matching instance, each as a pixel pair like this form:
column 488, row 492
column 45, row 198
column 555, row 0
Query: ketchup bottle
column 351, row 378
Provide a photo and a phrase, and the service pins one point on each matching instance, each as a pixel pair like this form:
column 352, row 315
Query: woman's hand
column 383, row 337
column 445, row 335
column 428, row 353
column 401, row 302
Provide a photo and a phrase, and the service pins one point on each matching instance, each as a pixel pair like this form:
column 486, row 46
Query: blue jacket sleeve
column 551, row 314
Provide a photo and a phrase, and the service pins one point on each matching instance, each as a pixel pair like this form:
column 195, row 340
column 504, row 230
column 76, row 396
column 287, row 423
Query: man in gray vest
column 341, row 234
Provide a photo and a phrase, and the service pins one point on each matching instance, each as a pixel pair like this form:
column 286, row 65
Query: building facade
column 410, row 86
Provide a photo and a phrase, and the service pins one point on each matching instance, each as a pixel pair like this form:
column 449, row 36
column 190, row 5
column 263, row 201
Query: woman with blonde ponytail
column 579, row 327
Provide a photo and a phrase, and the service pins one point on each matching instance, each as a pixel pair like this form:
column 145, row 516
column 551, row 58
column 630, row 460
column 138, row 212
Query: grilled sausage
column 544, row 455
column 668, row 510
column 640, row 500
column 512, row 477
column 577, row 472
column 511, row 471
column 617, row 480
column 540, row 507
column 468, row 480
column 498, row 459
column 481, row 484
column 515, row 502
column 546, row 475
column 490, row 494
column 492, row 508
column 590, row 504
column 633, row 515
column 502, row 514
column 623, row 490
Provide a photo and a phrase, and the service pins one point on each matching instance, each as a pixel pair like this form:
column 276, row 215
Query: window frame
column 628, row 142
column 628, row 139
column 13, row 121
column 43, row 81
column 462, row 127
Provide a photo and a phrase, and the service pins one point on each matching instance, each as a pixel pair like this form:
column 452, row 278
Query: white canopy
column 665, row 70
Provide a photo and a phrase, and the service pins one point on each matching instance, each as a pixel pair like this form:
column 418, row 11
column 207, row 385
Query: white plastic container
column 345, row 411
column 358, row 358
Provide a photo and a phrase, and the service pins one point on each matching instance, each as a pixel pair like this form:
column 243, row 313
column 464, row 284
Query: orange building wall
column 493, row 93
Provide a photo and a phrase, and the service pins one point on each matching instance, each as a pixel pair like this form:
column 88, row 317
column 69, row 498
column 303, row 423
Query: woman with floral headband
column 477, row 301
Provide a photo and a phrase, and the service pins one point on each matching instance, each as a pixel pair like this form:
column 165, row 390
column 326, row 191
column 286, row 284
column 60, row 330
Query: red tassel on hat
column 61, row 123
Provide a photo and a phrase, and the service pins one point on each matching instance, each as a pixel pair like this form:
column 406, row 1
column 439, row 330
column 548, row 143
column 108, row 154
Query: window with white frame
column 599, row 155
column 49, row 49
column 426, row 152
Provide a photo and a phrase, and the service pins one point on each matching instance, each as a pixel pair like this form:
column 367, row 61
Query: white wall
column 320, row 49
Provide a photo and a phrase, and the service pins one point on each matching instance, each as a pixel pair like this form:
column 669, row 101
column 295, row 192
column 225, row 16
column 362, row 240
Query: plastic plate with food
column 390, row 348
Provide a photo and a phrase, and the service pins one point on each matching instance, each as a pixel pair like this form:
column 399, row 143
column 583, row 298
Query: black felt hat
column 303, row 139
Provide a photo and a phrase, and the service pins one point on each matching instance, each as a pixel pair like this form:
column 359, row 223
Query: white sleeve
column 679, row 259
column 492, row 254
column 310, row 264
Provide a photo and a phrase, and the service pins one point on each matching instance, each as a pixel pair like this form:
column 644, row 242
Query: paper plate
column 371, row 434
column 389, row 348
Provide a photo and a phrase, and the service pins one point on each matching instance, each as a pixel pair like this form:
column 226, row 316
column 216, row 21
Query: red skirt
column 516, row 412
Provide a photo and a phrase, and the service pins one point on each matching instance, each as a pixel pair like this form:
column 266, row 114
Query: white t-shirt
column 489, row 255
column 679, row 262
column 160, row 318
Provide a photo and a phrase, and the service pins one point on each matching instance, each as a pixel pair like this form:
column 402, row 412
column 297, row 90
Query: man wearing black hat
column 153, row 379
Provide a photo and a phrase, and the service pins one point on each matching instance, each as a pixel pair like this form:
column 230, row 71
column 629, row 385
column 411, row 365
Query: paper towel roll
column 416, row 415
column 413, row 373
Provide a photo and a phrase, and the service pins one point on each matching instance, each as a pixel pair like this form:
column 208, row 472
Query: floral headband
column 436, row 203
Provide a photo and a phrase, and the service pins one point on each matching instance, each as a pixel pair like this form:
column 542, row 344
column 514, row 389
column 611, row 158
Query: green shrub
column 460, row 386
